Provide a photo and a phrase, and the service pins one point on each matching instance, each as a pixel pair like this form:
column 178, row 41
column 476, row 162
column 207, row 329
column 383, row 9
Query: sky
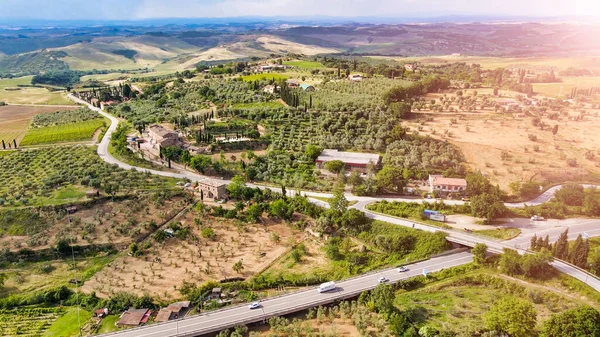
column 149, row 9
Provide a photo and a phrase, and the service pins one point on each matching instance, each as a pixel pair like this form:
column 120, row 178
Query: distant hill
column 447, row 38
column 33, row 63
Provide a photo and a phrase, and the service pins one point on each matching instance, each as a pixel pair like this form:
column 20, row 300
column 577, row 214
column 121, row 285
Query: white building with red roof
column 446, row 185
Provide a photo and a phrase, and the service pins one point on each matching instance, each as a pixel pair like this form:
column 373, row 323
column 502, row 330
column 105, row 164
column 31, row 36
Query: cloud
column 144, row 9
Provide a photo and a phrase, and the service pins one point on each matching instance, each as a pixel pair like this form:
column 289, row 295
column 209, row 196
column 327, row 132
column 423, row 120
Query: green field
column 68, row 324
column 27, row 321
column 258, row 105
column 304, row 64
column 268, row 76
column 585, row 62
column 62, row 133
column 29, row 95
column 562, row 89
column 108, row 324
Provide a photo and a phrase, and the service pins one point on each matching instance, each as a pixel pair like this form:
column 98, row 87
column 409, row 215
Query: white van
column 327, row 286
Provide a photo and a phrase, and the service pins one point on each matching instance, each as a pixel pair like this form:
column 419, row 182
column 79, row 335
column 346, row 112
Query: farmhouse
column 134, row 317
column 410, row 67
column 446, row 185
column 162, row 137
column 214, row 189
column 355, row 77
column 270, row 89
column 352, row 160
column 173, row 311
column 307, row 87
column 292, row 83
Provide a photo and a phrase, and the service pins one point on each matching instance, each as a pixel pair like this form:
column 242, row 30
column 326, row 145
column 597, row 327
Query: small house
column 446, row 185
column 101, row 313
column 355, row 77
column 134, row 317
column 162, row 136
column 213, row 189
column 269, row 89
column 173, row 311
column 410, row 67
column 292, row 84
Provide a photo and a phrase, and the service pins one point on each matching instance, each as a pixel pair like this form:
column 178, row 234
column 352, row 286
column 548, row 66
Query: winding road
column 281, row 305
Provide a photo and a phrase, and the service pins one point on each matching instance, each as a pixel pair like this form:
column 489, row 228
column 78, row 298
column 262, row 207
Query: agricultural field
column 591, row 63
column 34, row 177
column 28, row 322
column 563, row 89
column 14, row 120
column 30, row 278
column 74, row 132
column 258, row 105
column 63, row 117
column 103, row 222
column 510, row 146
column 265, row 76
column 163, row 266
column 304, row 64
column 457, row 304
column 10, row 92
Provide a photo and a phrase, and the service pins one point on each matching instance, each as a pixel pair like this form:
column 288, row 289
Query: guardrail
column 288, row 310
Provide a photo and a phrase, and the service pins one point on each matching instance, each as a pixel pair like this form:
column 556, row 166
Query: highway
column 230, row 317
column 276, row 306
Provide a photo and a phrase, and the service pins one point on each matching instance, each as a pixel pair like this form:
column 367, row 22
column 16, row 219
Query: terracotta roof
column 134, row 317
column 164, row 315
column 212, row 183
column 440, row 180
column 161, row 131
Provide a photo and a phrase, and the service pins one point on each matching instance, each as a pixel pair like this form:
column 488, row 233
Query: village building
column 446, row 185
column 92, row 193
column 213, row 189
column 270, row 89
column 162, row 137
column 173, row 311
column 352, row 160
column 106, row 104
column 292, row 84
column 307, row 87
column 101, row 313
column 410, row 67
column 134, row 317
column 355, row 77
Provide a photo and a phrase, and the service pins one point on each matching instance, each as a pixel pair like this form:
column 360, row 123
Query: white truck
column 327, row 286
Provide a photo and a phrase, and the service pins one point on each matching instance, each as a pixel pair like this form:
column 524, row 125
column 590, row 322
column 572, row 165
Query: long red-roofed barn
column 352, row 160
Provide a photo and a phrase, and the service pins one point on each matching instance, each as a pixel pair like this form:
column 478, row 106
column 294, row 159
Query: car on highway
column 327, row 286
column 537, row 218
column 383, row 280
column 254, row 305
column 402, row 269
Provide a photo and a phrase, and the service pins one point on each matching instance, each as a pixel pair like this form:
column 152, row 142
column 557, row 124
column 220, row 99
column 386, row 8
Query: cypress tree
column 561, row 249
column 533, row 243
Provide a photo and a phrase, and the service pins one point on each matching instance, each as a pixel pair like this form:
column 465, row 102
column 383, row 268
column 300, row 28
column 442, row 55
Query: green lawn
column 62, row 133
column 350, row 202
column 268, row 76
column 304, row 64
column 68, row 324
column 500, row 233
column 108, row 324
